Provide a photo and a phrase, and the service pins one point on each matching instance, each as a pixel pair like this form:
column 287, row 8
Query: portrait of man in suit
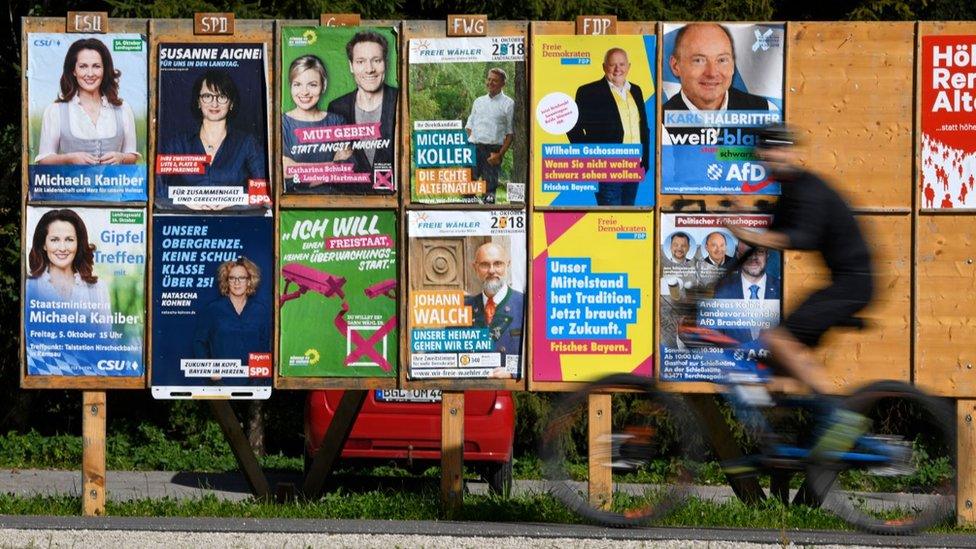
column 498, row 306
column 751, row 283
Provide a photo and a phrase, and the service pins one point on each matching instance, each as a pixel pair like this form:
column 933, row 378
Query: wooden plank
column 966, row 462
column 247, row 462
column 332, row 443
column 452, row 452
column 599, row 433
column 851, row 88
column 87, row 22
column 93, row 453
column 596, row 24
column 213, row 23
column 84, row 383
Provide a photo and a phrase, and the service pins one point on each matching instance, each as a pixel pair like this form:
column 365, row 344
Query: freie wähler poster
column 338, row 302
column 85, row 292
column 466, row 300
column 592, row 280
column 339, row 97
column 212, row 142
column 594, row 116
column 467, row 120
column 721, row 83
column 697, row 250
column 97, row 154
column 948, row 122
column 213, row 278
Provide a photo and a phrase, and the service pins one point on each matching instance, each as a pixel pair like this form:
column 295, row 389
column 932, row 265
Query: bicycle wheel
column 900, row 477
column 635, row 466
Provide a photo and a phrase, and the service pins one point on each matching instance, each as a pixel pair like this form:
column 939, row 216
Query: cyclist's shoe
column 840, row 436
column 899, row 453
column 740, row 467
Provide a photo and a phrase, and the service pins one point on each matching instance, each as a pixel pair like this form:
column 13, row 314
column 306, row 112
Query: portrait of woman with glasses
column 235, row 324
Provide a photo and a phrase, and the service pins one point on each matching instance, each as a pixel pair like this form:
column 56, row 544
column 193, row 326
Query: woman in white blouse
column 61, row 263
column 88, row 124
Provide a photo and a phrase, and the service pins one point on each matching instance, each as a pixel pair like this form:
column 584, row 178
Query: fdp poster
column 948, row 122
column 697, row 250
column 212, row 145
column 87, row 102
column 212, row 317
column 594, row 115
column 466, row 300
column 467, row 120
column 339, row 104
column 592, row 280
column 721, row 83
column 338, row 285
column 84, row 291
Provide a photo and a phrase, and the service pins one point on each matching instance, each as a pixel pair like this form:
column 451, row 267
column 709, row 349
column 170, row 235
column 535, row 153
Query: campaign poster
column 212, row 140
column 212, row 313
column 697, row 250
column 594, row 118
column 948, row 122
column 337, row 283
column 721, row 83
column 339, row 92
column 467, row 120
column 593, row 283
column 87, row 97
column 84, row 300
column 466, row 300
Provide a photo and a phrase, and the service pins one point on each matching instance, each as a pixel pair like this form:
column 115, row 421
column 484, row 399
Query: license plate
column 403, row 395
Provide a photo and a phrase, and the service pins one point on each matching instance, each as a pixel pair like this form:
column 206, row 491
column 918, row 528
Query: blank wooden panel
column 883, row 350
column 945, row 348
column 850, row 91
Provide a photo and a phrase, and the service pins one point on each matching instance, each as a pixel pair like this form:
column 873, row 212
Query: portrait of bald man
column 498, row 306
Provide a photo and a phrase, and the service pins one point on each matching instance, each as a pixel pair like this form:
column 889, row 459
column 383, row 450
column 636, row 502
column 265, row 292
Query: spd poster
column 338, row 293
column 592, row 280
column 593, row 109
column 84, row 312
column 721, row 83
column 212, row 318
column 467, row 120
column 86, row 117
column 466, row 300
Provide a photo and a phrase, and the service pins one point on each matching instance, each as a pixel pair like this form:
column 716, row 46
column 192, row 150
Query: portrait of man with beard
column 498, row 306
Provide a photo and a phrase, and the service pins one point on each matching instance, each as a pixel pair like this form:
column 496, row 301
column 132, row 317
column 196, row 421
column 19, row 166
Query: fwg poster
column 697, row 250
column 467, row 120
column 466, row 300
column 338, row 293
column 213, row 280
column 339, row 92
column 948, row 122
column 592, row 280
column 84, row 302
column 594, row 114
column 212, row 142
column 86, row 117
column 721, row 84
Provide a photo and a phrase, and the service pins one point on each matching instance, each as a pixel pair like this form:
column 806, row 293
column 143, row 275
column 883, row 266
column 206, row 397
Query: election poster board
column 696, row 251
column 212, row 287
column 467, row 114
column 84, row 292
column 338, row 293
column 339, row 96
column 948, row 105
column 212, row 141
column 466, row 301
column 592, row 284
column 593, row 144
column 721, row 83
column 74, row 155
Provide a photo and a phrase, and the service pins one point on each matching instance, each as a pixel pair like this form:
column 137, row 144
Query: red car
column 405, row 425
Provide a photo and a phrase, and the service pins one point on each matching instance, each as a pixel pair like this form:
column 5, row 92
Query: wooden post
column 335, row 438
column 600, row 473
column 246, row 460
column 452, row 452
column 966, row 462
column 93, row 453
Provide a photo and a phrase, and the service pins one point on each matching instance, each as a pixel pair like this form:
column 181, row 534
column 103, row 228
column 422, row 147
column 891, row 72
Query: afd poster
column 467, row 120
column 721, row 83
column 84, row 296
column 594, row 113
column 212, row 142
column 339, row 92
column 696, row 251
column 592, row 280
column 948, row 122
column 86, row 117
column 211, row 306
column 338, row 293
column 466, row 300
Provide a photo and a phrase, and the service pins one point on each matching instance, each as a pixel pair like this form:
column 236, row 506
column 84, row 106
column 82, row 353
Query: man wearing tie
column 750, row 283
column 498, row 306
